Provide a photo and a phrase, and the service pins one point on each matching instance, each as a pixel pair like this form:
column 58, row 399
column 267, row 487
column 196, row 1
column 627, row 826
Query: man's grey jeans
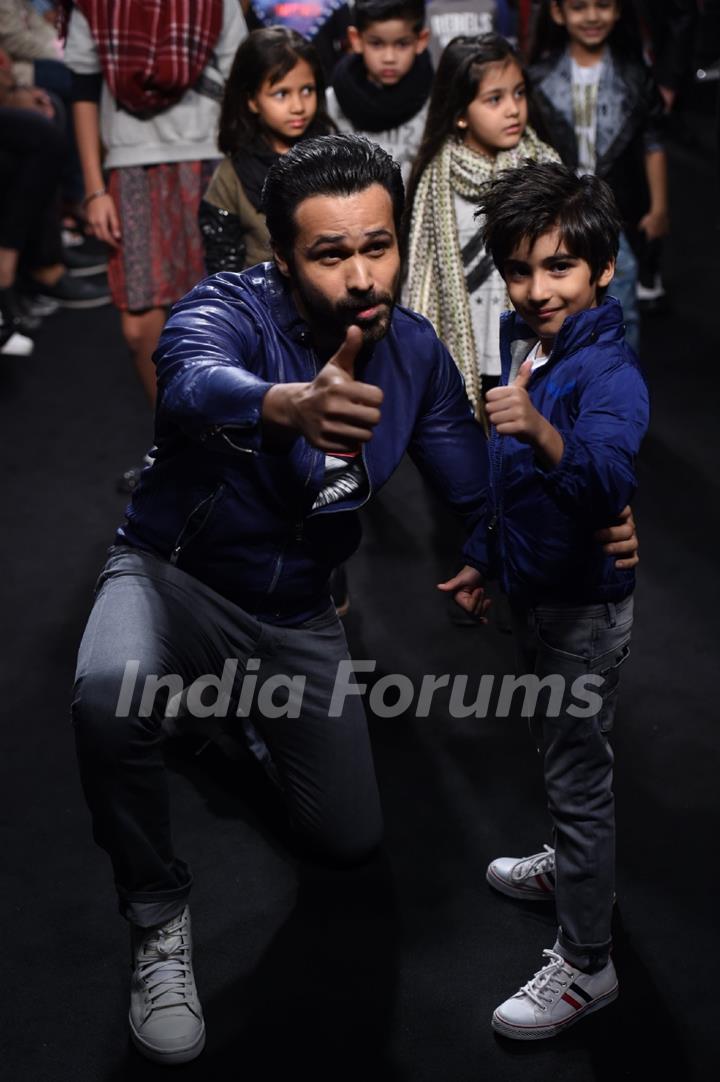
column 151, row 613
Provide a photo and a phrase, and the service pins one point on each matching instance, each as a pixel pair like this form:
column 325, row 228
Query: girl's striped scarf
column 435, row 284
column 152, row 51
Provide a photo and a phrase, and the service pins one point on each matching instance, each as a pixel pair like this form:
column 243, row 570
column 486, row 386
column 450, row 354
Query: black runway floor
column 390, row 971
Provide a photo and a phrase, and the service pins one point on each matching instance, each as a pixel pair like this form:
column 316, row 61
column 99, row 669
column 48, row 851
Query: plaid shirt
column 152, row 52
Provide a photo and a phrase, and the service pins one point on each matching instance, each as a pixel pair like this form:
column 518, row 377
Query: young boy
column 567, row 422
column 381, row 89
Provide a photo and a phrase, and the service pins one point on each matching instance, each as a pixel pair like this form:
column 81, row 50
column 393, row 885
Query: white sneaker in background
column 14, row 344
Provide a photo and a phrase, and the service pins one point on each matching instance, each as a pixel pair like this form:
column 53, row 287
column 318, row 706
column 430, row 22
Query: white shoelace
column 550, row 982
column 163, row 966
column 534, row 865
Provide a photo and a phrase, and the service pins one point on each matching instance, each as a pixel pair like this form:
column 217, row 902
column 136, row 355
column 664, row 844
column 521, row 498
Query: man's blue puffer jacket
column 543, row 523
column 238, row 517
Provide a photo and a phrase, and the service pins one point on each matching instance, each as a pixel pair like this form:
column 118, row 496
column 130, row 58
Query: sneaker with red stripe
column 556, row 997
column 532, row 878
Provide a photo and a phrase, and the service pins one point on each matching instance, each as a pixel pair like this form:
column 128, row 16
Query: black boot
column 13, row 320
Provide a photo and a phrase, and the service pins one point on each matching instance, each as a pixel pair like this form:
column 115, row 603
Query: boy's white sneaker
column 166, row 1020
column 532, row 878
column 556, row 997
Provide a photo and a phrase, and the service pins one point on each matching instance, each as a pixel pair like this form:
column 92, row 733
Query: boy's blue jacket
column 238, row 517
column 542, row 528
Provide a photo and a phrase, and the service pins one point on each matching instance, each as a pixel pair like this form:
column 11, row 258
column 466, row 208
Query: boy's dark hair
column 548, row 38
column 523, row 203
column 365, row 12
column 269, row 53
column 461, row 70
column 330, row 165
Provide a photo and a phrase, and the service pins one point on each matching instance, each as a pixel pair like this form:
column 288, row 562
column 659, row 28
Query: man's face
column 345, row 264
column 547, row 284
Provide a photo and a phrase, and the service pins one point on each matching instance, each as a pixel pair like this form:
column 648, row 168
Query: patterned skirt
column 161, row 254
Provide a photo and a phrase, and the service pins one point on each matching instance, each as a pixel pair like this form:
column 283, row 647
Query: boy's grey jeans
column 578, row 641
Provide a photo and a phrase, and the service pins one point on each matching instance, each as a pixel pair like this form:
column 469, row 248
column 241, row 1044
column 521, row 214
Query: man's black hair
column 365, row 12
column 326, row 165
column 524, row 203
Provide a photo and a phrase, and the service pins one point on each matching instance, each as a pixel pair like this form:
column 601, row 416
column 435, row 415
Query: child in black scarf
column 381, row 90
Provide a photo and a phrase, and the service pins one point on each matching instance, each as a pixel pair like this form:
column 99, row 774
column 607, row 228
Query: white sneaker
column 166, row 1021
column 556, row 997
column 532, row 878
column 16, row 344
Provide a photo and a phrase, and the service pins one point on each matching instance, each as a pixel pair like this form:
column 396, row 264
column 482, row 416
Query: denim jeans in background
column 57, row 79
column 576, row 641
column 623, row 288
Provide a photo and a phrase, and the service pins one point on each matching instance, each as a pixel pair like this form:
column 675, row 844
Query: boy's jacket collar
column 582, row 329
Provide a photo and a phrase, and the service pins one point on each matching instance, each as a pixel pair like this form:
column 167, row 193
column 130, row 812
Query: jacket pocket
column 196, row 522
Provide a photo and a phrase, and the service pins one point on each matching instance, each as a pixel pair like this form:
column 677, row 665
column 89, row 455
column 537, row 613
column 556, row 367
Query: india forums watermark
column 239, row 692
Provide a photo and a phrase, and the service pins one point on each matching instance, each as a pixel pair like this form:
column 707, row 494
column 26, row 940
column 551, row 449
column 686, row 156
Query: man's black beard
column 329, row 322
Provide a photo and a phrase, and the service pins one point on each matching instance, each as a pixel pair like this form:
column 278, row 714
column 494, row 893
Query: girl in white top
column 156, row 117
column 477, row 125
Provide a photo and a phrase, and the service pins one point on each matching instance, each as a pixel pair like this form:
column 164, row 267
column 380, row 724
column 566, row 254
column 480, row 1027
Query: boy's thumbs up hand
column 513, row 414
column 523, row 377
column 335, row 412
column 510, row 409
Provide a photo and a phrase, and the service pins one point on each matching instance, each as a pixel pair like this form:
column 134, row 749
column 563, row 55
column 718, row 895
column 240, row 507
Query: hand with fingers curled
column 335, row 412
column 621, row 540
column 510, row 409
column 102, row 217
column 468, row 589
column 512, row 413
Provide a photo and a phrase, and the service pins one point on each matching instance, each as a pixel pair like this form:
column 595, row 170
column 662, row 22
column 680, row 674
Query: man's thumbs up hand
column 335, row 412
column 346, row 356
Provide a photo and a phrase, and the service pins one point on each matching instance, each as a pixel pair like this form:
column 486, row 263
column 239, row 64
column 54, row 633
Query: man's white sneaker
column 532, row 878
column 556, row 997
column 166, row 1021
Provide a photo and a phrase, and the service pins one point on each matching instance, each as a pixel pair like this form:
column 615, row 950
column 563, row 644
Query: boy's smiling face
column 588, row 22
column 547, row 283
column 388, row 48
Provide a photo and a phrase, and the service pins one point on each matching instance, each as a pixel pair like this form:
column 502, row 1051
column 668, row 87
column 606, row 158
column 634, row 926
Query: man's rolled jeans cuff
column 590, row 958
column 154, row 908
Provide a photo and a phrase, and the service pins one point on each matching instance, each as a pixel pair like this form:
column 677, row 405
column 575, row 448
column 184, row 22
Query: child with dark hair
column 476, row 127
column 598, row 104
column 274, row 96
column 567, row 422
column 381, row 90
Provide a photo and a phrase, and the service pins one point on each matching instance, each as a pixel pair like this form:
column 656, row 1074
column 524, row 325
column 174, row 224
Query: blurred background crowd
column 135, row 139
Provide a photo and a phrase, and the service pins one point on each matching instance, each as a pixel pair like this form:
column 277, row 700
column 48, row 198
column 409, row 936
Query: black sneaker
column 75, row 292
column 34, row 309
column 12, row 316
column 81, row 263
column 12, row 343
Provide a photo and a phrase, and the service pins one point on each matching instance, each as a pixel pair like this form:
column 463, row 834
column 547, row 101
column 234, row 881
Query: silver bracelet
column 94, row 195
